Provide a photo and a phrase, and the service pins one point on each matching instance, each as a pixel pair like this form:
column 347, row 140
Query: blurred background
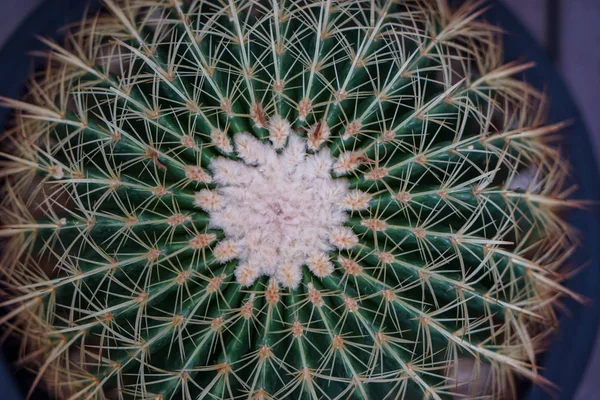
column 569, row 30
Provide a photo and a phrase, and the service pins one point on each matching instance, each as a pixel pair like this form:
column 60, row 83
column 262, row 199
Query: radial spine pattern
column 280, row 199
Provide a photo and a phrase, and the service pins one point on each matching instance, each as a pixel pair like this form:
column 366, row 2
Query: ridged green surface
column 112, row 299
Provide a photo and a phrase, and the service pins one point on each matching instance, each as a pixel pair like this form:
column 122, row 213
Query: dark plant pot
column 565, row 361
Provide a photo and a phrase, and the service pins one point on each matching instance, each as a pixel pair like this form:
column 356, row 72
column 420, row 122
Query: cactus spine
column 280, row 199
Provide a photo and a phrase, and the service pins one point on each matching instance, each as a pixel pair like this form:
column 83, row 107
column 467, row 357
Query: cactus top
column 278, row 211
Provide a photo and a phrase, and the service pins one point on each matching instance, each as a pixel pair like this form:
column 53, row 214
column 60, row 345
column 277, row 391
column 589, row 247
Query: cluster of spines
column 115, row 282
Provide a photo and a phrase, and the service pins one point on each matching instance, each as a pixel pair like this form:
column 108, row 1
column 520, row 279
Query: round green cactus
column 281, row 199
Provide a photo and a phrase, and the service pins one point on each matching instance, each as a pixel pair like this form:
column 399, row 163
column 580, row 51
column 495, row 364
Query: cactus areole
column 281, row 199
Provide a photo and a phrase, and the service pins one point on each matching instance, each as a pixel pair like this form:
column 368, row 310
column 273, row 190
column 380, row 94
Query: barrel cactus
column 281, row 199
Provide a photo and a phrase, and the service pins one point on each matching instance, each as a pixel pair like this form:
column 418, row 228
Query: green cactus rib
column 110, row 272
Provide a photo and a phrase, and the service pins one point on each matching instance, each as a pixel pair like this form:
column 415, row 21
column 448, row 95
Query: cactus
column 281, row 199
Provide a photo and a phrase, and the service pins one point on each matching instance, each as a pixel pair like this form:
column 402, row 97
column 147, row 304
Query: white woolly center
column 278, row 211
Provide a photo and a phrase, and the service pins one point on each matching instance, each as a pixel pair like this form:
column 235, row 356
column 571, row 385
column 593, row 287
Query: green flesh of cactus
column 280, row 200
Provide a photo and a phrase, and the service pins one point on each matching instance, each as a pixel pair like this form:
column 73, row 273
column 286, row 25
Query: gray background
column 573, row 40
